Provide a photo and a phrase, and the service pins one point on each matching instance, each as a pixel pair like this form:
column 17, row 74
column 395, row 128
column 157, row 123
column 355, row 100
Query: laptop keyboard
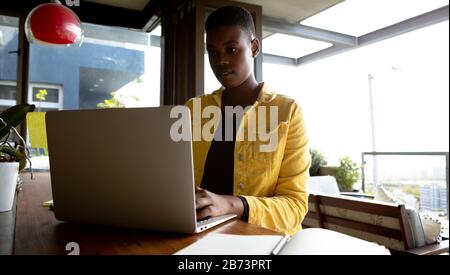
column 204, row 221
column 208, row 220
column 212, row 221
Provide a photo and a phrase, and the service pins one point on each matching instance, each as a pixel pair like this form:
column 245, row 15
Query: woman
column 261, row 185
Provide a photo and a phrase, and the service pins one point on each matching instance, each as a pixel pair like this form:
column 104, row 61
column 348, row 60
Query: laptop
column 121, row 167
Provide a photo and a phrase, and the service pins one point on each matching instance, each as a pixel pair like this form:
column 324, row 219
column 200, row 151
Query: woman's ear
column 255, row 47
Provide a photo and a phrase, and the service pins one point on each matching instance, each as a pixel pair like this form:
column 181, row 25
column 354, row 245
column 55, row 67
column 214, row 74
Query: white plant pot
column 9, row 171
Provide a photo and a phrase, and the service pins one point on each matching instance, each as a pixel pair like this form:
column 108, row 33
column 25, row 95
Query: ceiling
column 292, row 11
column 128, row 4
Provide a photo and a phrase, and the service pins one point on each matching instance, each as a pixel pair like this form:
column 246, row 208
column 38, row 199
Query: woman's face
column 231, row 52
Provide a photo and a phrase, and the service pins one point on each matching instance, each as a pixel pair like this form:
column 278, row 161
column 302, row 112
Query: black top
column 218, row 174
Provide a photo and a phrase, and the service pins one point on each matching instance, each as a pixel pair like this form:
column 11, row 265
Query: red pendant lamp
column 53, row 24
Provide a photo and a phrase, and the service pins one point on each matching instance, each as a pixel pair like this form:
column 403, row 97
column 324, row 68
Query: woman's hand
column 212, row 205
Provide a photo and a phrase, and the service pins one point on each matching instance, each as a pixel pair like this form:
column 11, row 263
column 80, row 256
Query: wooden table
column 33, row 229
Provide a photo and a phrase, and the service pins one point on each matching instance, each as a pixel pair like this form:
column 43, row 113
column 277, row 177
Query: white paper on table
column 229, row 244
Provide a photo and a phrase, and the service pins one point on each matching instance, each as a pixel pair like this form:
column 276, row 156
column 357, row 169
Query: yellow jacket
column 274, row 183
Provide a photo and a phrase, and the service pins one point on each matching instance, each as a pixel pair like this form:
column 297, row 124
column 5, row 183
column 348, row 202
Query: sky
column 410, row 90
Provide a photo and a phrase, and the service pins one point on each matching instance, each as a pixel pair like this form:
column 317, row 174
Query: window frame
column 52, row 105
column 8, row 102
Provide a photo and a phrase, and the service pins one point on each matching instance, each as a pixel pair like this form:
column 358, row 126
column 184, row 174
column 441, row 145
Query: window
column 408, row 78
column 45, row 97
column 410, row 95
column 211, row 82
column 9, row 29
column 7, row 94
column 113, row 68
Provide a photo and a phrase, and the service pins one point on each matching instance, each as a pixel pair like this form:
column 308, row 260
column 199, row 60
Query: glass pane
column 359, row 17
column 7, row 92
column 211, row 82
column 113, row 68
column 419, row 181
column 9, row 43
column 410, row 95
column 156, row 31
column 291, row 46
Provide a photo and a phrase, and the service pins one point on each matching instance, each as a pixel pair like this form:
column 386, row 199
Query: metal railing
column 445, row 154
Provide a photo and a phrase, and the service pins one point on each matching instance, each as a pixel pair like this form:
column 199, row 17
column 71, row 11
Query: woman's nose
column 224, row 61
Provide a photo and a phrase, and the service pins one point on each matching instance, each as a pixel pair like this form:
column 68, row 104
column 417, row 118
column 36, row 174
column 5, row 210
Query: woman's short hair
column 231, row 16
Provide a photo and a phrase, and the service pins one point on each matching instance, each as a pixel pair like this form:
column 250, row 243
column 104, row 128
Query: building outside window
column 113, row 68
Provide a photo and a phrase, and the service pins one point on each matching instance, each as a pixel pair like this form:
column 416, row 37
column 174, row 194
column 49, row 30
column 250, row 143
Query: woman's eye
column 232, row 50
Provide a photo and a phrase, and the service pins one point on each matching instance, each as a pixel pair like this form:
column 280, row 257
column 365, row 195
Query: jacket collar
column 265, row 95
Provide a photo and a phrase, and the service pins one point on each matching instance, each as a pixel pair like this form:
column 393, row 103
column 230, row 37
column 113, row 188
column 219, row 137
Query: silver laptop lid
column 121, row 167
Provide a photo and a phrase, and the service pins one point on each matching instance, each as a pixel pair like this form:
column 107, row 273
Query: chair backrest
column 383, row 223
column 323, row 185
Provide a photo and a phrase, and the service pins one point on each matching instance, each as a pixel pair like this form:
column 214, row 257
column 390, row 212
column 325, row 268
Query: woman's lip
column 225, row 73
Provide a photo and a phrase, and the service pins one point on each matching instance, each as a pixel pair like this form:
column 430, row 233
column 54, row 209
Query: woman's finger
column 201, row 194
column 201, row 202
column 204, row 212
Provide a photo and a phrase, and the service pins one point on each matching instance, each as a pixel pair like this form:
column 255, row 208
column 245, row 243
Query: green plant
column 317, row 160
column 346, row 174
column 41, row 96
column 9, row 119
column 113, row 102
column 116, row 101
